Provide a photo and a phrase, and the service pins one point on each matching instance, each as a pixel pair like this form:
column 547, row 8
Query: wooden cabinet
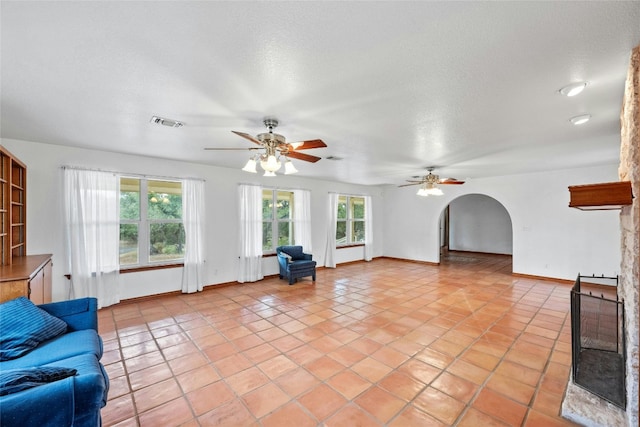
column 13, row 207
column 28, row 276
column 40, row 284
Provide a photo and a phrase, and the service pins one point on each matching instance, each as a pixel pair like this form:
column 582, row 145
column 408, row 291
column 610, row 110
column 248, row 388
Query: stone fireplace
column 580, row 405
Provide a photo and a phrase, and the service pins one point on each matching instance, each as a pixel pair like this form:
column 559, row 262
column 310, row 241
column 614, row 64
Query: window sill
column 138, row 269
column 150, row 267
column 354, row 245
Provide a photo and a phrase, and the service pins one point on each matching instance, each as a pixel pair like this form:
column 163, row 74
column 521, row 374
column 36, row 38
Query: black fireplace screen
column 597, row 338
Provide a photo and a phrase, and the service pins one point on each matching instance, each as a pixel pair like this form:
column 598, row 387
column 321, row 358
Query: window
column 277, row 219
column 350, row 225
column 151, row 230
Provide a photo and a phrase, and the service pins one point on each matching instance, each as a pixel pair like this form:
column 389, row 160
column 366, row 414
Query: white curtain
column 332, row 218
column 368, row 229
column 92, row 228
column 302, row 219
column 250, row 233
column 192, row 218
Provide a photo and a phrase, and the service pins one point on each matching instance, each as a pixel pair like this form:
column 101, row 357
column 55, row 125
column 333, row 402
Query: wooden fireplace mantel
column 604, row 196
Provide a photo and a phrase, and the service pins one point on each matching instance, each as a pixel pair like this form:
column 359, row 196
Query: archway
column 476, row 227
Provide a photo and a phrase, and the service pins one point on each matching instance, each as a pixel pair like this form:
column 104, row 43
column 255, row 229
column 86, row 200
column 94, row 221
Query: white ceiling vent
column 166, row 122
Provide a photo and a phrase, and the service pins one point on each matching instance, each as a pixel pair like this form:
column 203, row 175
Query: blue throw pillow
column 16, row 380
column 23, row 326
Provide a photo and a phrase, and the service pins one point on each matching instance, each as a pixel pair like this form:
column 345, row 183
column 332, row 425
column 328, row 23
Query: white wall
column 45, row 233
column 478, row 223
column 549, row 238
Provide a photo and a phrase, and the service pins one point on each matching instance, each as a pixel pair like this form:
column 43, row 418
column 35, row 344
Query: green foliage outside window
column 128, row 244
column 277, row 215
column 350, row 223
column 129, row 210
column 358, row 232
column 357, row 207
column 164, row 206
column 161, row 228
column 342, row 207
column 341, row 232
column 130, row 205
column 167, row 241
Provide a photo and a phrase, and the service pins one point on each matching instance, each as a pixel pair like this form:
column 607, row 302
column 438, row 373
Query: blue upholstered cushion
column 16, row 380
column 59, row 348
column 24, row 326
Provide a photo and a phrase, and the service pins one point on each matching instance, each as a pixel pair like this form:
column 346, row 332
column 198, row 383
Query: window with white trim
column 277, row 219
column 151, row 228
column 350, row 224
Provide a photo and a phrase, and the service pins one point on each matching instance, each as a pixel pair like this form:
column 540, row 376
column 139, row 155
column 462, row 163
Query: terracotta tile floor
column 370, row 344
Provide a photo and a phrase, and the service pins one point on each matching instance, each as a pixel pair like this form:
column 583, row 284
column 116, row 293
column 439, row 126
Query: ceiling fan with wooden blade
column 429, row 183
column 244, row 135
column 302, row 156
column 276, row 145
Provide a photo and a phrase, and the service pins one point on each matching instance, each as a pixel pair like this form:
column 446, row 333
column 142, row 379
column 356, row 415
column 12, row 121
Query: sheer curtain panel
column 92, row 225
column 250, row 233
column 368, row 229
column 332, row 218
column 192, row 219
column 302, row 219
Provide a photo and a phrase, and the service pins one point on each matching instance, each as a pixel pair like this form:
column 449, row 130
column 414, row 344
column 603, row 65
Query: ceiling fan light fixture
column 429, row 184
column 573, row 89
column 434, row 191
column 581, row 119
column 270, row 163
column 269, row 173
column 250, row 166
column 429, row 189
column 289, row 168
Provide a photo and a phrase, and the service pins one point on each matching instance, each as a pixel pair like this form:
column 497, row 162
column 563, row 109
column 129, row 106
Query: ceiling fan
column 429, row 183
column 275, row 146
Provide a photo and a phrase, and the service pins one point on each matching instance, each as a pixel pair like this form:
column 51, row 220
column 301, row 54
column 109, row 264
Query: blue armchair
column 294, row 263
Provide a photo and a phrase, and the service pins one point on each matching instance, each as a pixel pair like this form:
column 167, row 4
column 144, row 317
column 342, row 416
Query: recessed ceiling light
column 166, row 122
column 578, row 120
column 573, row 89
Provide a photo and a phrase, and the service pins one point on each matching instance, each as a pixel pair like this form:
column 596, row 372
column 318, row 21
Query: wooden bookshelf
column 4, row 209
column 13, row 207
column 20, row 274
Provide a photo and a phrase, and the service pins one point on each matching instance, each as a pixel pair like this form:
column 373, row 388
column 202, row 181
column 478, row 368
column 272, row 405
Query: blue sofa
column 294, row 263
column 72, row 401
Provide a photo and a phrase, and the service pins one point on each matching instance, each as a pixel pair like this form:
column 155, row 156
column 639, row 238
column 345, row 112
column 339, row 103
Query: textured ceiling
column 391, row 87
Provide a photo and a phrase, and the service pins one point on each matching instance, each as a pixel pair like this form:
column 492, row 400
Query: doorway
column 475, row 227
